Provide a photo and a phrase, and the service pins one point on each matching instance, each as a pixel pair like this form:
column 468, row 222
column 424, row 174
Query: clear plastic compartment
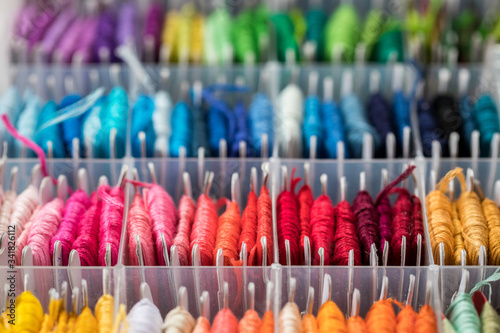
column 168, row 173
column 445, row 280
column 69, row 168
column 39, row 280
column 367, row 280
column 87, row 78
column 124, row 283
column 165, row 283
column 449, row 282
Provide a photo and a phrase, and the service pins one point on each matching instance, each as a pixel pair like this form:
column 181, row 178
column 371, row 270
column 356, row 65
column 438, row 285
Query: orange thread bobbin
column 425, row 321
column 309, row 323
column 228, row 233
column 268, row 319
column 229, row 228
column 267, row 322
column 202, row 325
column 250, row 323
column 406, row 320
column 356, row 323
column 331, row 319
column 381, row 317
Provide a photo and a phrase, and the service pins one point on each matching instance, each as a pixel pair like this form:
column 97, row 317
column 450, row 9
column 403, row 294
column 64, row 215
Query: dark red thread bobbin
column 367, row 223
column 289, row 223
column 417, row 229
column 384, row 210
column 346, row 237
column 322, row 228
column 401, row 225
column 306, row 201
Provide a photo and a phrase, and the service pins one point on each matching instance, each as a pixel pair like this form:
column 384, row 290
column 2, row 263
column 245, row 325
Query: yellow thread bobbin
column 120, row 324
column 86, row 322
column 492, row 215
column 104, row 313
column 62, row 322
column 169, row 35
column 184, row 30
column 70, row 326
column 29, row 314
column 457, row 235
column 474, row 225
column 439, row 218
column 4, row 323
column 197, row 26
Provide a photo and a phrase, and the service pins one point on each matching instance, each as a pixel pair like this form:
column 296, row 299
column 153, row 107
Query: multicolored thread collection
column 169, row 87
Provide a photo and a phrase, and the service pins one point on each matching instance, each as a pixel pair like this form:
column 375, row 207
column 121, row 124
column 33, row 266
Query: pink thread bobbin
column 45, row 226
column 87, row 235
column 111, row 220
column 6, row 211
column 22, row 241
column 163, row 216
column 187, row 209
column 76, row 206
column 139, row 224
column 204, row 229
column 23, row 208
